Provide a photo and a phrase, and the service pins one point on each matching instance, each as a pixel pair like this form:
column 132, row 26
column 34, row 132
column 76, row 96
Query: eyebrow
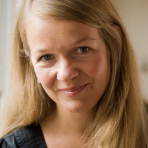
column 77, row 42
column 82, row 40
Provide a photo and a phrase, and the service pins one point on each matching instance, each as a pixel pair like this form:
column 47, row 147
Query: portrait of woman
column 74, row 80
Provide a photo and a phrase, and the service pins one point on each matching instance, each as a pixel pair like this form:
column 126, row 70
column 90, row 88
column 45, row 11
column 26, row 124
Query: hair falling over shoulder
column 121, row 118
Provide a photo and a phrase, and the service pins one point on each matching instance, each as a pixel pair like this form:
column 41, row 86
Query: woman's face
column 70, row 60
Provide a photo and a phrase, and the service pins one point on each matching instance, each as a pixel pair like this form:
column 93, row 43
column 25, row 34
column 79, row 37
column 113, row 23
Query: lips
column 73, row 90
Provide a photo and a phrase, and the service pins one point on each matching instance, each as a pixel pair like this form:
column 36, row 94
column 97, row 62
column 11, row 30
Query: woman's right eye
column 46, row 57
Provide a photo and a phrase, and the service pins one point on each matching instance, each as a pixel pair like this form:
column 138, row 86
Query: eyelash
column 85, row 52
column 88, row 49
column 45, row 56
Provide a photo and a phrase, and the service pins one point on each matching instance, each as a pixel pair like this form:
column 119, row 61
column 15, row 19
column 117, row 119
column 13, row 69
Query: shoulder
column 27, row 137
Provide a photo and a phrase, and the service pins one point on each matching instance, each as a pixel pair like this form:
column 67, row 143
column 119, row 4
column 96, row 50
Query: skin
column 72, row 63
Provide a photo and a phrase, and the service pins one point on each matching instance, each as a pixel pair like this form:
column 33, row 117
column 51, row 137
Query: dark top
column 28, row 137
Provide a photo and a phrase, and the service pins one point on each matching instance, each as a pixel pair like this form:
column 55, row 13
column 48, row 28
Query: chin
column 78, row 108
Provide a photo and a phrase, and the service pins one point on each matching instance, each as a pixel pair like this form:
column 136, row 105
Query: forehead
column 39, row 25
column 41, row 31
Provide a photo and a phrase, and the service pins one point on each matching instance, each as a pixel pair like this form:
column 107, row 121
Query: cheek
column 45, row 76
column 95, row 66
column 99, row 69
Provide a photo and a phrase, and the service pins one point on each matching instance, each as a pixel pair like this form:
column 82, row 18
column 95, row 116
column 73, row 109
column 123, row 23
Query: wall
column 1, row 32
column 134, row 14
column 7, row 15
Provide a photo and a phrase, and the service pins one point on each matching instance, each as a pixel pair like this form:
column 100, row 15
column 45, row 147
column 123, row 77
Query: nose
column 67, row 71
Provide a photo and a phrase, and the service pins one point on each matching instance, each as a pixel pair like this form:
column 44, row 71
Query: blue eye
column 83, row 49
column 46, row 57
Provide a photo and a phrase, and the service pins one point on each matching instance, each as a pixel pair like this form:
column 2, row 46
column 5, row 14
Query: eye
column 83, row 49
column 46, row 57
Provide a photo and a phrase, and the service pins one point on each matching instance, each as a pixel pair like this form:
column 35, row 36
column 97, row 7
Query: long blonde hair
column 121, row 119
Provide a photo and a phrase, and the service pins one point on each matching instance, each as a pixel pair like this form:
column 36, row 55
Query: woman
column 73, row 80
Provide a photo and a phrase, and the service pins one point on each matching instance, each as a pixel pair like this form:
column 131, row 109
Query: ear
column 25, row 51
column 118, row 29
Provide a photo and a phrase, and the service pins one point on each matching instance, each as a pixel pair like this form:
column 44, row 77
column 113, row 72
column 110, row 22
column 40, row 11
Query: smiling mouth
column 73, row 91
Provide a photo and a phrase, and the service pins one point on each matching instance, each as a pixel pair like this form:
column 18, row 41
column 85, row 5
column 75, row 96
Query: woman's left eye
column 83, row 49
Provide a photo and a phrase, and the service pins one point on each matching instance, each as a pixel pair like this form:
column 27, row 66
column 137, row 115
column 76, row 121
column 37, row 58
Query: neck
column 68, row 123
